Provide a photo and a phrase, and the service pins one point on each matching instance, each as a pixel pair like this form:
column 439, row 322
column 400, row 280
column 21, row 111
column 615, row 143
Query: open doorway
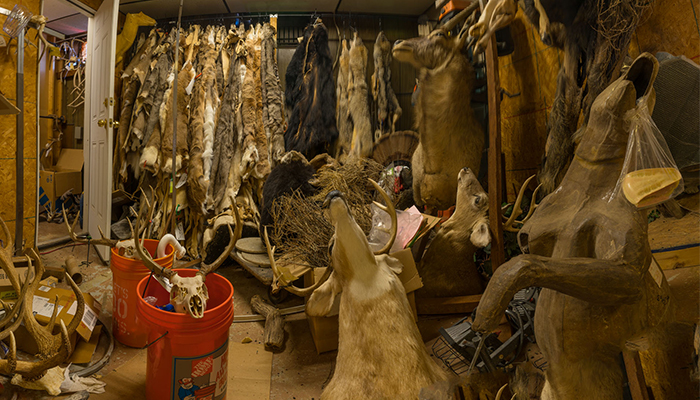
column 62, row 78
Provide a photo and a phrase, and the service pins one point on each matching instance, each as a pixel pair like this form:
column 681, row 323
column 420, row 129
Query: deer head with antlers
column 189, row 294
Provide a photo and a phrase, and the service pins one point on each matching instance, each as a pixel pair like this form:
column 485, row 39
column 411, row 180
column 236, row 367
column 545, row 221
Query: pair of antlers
column 279, row 273
column 53, row 349
column 205, row 268
column 510, row 223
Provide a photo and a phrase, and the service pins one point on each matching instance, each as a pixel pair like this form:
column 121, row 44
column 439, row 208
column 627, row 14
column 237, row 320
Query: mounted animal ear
column 394, row 264
column 321, row 301
column 481, row 236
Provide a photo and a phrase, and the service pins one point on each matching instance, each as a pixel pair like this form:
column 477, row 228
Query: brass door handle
column 102, row 123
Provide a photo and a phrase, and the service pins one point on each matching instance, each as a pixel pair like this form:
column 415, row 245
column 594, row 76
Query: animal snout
column 330, row 196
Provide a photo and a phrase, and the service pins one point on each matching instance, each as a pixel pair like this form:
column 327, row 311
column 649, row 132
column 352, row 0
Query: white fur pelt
column 362, row 138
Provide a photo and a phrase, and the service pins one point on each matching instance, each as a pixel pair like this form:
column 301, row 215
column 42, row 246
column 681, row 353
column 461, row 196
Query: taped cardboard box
column 324, row 330
column 7, row 292
column 64, row 176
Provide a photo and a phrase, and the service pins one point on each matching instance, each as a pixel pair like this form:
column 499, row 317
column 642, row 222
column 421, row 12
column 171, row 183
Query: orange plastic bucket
column 187, row 356
column 126, row 275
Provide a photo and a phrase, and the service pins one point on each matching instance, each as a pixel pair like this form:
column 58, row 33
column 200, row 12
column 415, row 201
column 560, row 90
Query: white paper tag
column 45, row 288
column 182, row 181
column 89, row 318
column 73, row 308
column 179, row 231
column 189, row 87
column 655, row 272
column 44, row 307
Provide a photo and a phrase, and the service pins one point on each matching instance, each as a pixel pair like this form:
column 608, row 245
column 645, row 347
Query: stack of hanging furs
column 388, row 108
column 230, row 124
column 309, row 95
column 353, row 116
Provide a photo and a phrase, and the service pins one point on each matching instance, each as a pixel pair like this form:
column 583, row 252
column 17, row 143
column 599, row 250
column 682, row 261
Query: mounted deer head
column 307, row 291
column 189, row 294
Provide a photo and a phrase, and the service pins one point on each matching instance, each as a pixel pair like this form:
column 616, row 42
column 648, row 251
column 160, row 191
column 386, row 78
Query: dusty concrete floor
column 298, row 372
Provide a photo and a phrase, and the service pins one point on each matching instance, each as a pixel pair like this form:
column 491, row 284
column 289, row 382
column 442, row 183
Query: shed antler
column 233, row 238
column 509, row 224
column 103, row 241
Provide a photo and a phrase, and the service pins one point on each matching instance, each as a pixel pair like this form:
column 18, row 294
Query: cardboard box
column 64, row 176
column 44, row 303
column 6, row 290
column 324, row 330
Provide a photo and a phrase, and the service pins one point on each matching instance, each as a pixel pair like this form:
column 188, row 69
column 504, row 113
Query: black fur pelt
column 289, row 175
column 310, row 96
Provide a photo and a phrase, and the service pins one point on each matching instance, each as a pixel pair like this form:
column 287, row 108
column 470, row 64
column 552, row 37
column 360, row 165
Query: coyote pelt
column 273, row 115
column 342, row 113
column 362, row 142
column 388, row 108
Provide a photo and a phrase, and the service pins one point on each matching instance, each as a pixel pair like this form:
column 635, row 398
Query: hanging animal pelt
column 310, row 97
column 342, row 114
column 133, row 77
column 358, row 96
column 252, row 107
column 388, row 108
column 272, row 96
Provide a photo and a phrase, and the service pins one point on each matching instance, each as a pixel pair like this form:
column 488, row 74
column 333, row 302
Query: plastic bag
column 649, row 174
column 407, row 223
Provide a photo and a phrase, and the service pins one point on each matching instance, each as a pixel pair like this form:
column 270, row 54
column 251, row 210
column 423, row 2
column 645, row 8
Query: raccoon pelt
column 342, row 113
column 388, row 108
column 362, row 138
column 292, row 173
column 272, row 96
column 310, row 96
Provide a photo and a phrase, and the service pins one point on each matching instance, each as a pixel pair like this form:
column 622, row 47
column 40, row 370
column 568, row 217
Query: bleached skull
column 189, row 295
column 127, row 248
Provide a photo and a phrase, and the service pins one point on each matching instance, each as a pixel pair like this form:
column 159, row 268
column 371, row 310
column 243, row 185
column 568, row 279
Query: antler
column 103, row 241
column 389, row 209
column 233, row 238
column 145, row 255
column 290, row 287
column 500, row 393
column 461, row 16
column 508, row 224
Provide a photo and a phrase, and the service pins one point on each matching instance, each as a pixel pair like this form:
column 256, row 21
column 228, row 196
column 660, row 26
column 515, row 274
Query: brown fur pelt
column 273, row 115
column 252, row 107
column 301, row 230
column 388, row 108
column 342, row 113
column 184, row 78
column 310, row 97
column 358, row 106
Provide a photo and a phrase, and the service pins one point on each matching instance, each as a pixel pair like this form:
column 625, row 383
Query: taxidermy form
column 594, row 36
column 587, row 246
column 450, row 136
column 381, row 354
column 447, row 267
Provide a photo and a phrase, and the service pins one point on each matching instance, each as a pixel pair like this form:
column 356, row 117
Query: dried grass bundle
column 301, row 228
column 618, row 19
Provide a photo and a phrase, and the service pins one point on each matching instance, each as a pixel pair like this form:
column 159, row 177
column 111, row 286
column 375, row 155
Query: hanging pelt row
column 230, row 124
column 353, row 116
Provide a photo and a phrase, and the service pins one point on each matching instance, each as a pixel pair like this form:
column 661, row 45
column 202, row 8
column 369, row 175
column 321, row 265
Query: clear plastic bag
column 649, row 174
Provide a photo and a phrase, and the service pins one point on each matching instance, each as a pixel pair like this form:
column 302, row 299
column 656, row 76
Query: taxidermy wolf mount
column 450, row 136
column 587, row 247
column 381, row 354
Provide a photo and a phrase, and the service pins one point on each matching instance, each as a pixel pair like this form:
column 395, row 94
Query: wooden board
column 678, row 257
column 252, row 245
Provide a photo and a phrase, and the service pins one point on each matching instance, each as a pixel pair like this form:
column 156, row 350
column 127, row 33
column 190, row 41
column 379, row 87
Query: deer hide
column 343, row 121
column 273, row 116
column 388, row 108
column 362, row 142
column 310, row 97
column 184, row 78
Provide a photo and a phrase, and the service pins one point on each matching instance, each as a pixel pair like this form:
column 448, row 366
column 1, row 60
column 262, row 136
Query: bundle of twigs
column 301, row 228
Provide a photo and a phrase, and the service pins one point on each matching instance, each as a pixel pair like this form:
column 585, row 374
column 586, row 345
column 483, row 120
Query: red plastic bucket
column 187, row 356
column 126, row 275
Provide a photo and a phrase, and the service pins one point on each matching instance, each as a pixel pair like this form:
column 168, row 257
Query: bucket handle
column 155, row 341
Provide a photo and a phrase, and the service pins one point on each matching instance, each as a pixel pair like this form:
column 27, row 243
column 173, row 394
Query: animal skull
column 189, row 295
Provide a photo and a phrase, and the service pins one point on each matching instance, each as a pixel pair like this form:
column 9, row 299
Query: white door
column 102, row 42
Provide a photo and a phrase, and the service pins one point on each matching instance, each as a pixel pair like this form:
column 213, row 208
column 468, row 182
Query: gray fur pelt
column 388, row 108
column 362, row 142
column 342, row 116
column 272, row 96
